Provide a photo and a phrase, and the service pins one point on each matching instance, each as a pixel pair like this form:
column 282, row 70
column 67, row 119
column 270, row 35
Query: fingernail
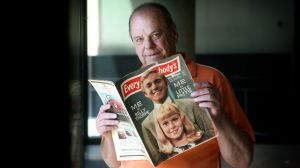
column 192, row 94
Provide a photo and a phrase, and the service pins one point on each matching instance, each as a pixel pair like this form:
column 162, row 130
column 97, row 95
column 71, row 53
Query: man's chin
column 153, row 59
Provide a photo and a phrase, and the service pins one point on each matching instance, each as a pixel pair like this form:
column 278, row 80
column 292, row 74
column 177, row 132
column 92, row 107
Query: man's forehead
column 148, row 12
column 153, row 15
column 153, row 75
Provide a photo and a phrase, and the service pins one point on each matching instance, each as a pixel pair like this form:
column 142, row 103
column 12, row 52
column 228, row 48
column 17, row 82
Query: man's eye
column 138, row 40
column 155, row 36
column 157, row 81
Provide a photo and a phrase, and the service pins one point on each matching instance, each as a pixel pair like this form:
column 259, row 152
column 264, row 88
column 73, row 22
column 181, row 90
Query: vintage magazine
column 150, row 128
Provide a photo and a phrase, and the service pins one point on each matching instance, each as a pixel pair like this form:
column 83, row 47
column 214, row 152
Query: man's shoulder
column 188, row 103
column 210, row 71
column 148, row 119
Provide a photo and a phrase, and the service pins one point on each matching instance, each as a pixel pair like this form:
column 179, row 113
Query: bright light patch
column 93, row 27
column 107, row 29
column 92, row 131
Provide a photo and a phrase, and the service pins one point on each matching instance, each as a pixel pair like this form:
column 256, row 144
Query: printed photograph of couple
column 174, row 125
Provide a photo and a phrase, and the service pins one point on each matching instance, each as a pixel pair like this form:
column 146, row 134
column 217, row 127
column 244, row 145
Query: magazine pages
column 156, row 121
column 158, row 118
column 126, row 140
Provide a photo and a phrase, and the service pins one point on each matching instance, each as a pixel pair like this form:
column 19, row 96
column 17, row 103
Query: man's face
column 155, row 88
column 152, row 39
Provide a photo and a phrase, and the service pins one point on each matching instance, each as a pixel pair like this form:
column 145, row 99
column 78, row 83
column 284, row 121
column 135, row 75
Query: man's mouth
column 156, row 92
column 152, row 54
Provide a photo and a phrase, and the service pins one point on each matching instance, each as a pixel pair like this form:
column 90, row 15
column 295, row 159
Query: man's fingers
column 105, row 108
column 103, row 129
column 203, row 84
column 107, row 116
column 205, row 98
column 108, row 122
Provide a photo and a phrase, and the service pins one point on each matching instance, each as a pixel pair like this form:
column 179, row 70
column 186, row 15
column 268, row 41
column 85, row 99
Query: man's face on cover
column 155, row 88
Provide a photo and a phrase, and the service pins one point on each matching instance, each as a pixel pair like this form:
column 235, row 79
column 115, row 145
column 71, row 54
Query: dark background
column 40, row 53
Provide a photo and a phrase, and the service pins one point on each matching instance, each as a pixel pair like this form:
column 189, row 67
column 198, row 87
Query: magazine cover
column 167, row 119
column 126, row 140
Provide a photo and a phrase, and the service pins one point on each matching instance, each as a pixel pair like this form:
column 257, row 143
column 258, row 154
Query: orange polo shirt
column 208, row 155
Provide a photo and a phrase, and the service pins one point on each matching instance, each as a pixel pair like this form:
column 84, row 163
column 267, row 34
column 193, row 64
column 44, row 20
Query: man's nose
column 154, row 86
column 149, row 43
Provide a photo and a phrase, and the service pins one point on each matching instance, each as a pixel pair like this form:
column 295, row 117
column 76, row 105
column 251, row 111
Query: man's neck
column 157, row 105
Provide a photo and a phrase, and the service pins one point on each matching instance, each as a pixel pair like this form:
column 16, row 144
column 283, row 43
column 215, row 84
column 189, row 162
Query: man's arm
column 236, row 147
column 108, row 152
column 105, row 123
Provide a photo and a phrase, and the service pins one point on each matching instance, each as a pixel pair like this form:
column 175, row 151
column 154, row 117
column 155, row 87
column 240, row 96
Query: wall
column 248, row 26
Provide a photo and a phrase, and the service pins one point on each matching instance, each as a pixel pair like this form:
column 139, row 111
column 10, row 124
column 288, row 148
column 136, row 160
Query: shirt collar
column 191, row 66
column 157, row 105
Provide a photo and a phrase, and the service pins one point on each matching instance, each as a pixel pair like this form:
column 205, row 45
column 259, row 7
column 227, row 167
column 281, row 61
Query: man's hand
column 206, row 95
column 106, row 121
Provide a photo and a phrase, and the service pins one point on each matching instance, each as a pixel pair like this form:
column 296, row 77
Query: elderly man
column 154, row 36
